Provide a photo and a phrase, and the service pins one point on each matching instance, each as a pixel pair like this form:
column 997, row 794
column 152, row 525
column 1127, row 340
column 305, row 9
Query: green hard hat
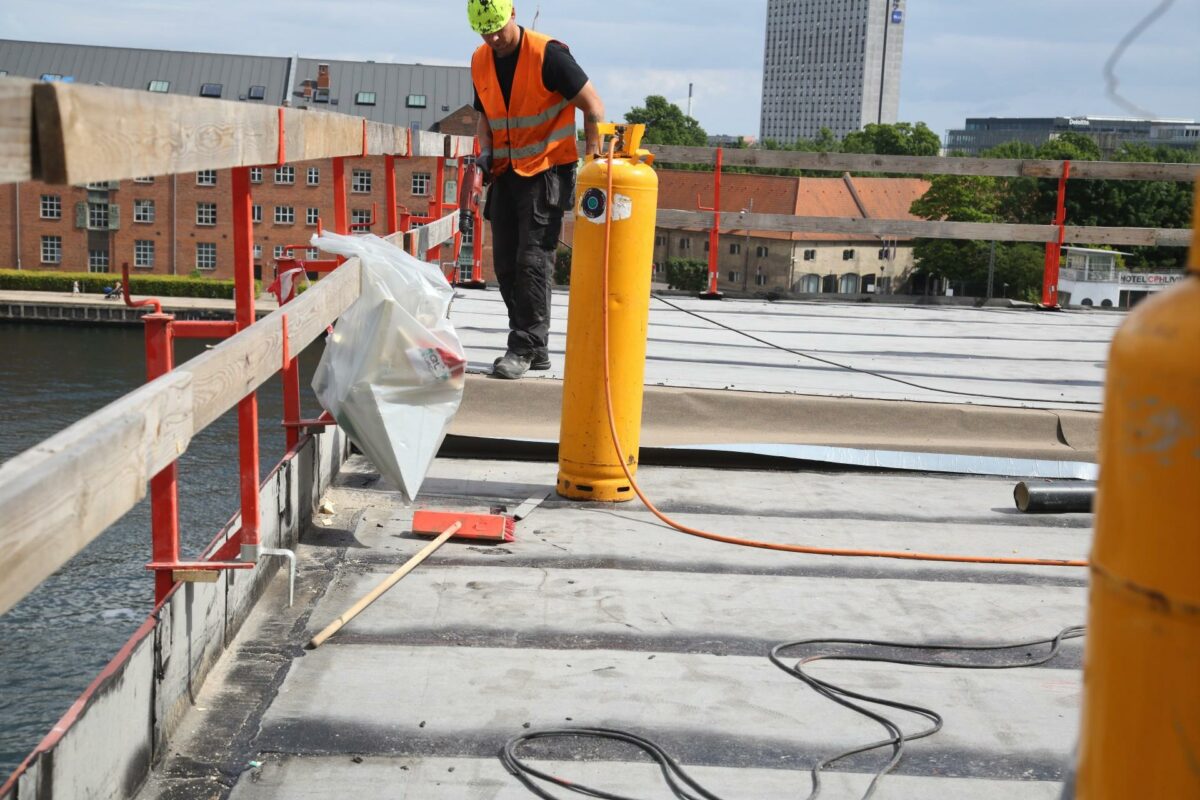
column 489, row 16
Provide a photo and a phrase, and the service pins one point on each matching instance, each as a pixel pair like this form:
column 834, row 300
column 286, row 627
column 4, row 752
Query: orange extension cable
column 787, row 548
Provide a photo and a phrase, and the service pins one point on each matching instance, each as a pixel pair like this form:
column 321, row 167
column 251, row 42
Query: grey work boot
column 538, row 362
column 511, row 366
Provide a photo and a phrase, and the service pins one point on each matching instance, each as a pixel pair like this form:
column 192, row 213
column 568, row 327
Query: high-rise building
column 1109, row 133
column 830, row 64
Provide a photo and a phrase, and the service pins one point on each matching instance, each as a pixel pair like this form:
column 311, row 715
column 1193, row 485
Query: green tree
column 666, row 123
column 687, row 274
column 900, row 139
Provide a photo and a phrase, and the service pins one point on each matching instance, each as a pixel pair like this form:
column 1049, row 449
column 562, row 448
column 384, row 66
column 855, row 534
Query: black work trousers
column 526, row 215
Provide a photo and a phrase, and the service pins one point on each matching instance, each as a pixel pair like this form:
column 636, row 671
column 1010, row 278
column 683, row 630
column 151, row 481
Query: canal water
column 55, row 641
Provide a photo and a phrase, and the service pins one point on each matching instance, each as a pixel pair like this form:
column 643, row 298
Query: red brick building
column 181, row 225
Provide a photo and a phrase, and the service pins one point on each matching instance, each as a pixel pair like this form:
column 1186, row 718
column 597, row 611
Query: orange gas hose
column 716, row 537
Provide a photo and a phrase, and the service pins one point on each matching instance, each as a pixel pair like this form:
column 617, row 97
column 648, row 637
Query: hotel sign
column 1150, row 278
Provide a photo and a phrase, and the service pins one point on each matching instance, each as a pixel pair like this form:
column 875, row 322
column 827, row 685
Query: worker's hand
column 484, row 160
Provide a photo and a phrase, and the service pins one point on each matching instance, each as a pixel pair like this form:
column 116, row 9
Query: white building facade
column 830, row 64
column 1092, row 279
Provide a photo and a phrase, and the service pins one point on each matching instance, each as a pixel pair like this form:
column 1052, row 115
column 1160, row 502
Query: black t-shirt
column 560, row 72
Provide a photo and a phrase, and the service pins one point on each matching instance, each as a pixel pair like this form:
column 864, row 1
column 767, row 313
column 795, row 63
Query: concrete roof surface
column 600, row 616
column 1012, row 357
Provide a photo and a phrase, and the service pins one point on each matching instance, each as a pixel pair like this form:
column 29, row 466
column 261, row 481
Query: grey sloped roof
column 131, row 68
column 445, row 88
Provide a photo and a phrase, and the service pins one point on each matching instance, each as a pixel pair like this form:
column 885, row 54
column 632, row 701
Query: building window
column 810, row 255
column 285, row 175
column 314, row 176
column 97, row 216
column 102, row 186
column 257, row 252
column 365, row 98
column 279, row 251
column 51, row 249
column 760, row 279
column 51, row 206
column 847, row 255
column 256, row 174
column 415, row 101
column 256, row 213
column 761, row 251
column 659, row 241
column 158, row 86
column 143, row 211
column 685, row 244
column 206, row 177
column 360, row 217
column 285, row 215
column 321, row 96
column 733, row 277
column 257, row 93
column 312, row 216
column 97, row 261
column 420, row 183
column 143, row 180
column 360, row 181
column 735, row 249
column 143, row 253
column 707, row 245
column 211, row 89
column 206, row 256
column 206, row 214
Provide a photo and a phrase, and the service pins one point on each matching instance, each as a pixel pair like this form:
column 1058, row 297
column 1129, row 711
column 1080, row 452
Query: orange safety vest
column 536, row 130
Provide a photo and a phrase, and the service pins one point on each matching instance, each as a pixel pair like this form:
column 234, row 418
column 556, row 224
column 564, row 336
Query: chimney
column 322, row 76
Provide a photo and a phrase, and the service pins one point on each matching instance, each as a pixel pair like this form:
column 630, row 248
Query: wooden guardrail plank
column 16, row 130
column 859, row 227
column 239, row 365
column 925, row 165
column 437, row 232
column 94, row 133
column 60, row 495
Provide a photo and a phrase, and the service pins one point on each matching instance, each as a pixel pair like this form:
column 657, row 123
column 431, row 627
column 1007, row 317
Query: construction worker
column 527, row 88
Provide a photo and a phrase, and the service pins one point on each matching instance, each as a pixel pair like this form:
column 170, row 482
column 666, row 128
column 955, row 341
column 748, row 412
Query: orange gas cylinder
column 1141, row 715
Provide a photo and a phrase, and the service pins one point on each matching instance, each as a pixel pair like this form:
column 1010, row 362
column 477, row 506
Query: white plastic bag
column 393, row 371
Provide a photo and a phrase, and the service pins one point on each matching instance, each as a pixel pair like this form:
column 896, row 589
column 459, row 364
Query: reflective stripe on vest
column 535, row 129
column 532, row 150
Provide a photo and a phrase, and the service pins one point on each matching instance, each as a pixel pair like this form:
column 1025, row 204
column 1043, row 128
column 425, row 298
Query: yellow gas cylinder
column 588, row 467
column 1141, row 711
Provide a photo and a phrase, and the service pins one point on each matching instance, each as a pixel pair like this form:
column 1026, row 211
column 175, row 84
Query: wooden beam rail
column 60, row 495
column 858, row 228
column 17, row 151
column 925, row 165
column 91, row 133
column 930, row 165
column 425, row 238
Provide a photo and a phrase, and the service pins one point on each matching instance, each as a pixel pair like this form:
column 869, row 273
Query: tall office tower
column 830, row 64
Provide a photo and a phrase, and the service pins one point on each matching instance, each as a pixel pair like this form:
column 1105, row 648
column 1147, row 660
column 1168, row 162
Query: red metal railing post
column 1054, row 249
column 341, row 216
column 291, row 390
column 393, row 201
column 436, row 208
column 477, row 239
column 458, row 182
column 243, row 275
column 714, row 233
column 164, row 487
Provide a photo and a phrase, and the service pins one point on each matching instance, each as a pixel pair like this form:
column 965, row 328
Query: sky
column 962, row 58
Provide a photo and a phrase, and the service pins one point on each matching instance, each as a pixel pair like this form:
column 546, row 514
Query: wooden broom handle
column 388, row 583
